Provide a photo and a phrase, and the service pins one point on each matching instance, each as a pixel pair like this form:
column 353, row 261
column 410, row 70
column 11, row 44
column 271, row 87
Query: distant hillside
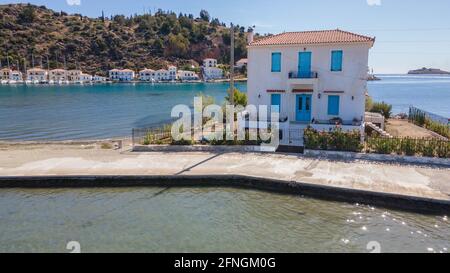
column 98, row 44
column 429, row 71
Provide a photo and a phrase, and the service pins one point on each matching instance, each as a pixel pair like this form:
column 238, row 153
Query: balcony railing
column 303, row 75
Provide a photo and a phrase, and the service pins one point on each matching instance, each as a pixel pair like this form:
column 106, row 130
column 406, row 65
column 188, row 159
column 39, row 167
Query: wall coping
column 379, row 157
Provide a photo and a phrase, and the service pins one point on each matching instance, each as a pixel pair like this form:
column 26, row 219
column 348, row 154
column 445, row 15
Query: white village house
column 147, row 75
column 172, row 73
column 121, row 75
column 37, row 75
column 184, row 75
column 58, row 75
column 210, row 70
column 316, row 78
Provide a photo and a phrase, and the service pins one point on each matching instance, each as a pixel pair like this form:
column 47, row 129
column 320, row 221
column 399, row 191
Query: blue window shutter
column 333, row 105
column 276, row 62
column 276, row 102
column 336, row 60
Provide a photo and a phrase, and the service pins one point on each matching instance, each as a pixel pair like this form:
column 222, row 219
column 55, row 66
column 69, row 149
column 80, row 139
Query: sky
column 410, row 34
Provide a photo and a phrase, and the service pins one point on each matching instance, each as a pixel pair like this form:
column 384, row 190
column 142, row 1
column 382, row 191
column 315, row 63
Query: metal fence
column 414, row 112
column 146, row 136
column 409, row 146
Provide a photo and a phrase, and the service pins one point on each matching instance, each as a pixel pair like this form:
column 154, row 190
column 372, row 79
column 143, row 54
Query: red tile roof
column 313, row 37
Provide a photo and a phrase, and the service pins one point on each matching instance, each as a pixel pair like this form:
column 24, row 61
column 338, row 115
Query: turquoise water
column 93, row 111
column 103, row 111
column 206, row 220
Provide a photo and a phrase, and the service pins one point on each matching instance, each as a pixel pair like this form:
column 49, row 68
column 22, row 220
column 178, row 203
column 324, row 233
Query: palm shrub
column 382, row 108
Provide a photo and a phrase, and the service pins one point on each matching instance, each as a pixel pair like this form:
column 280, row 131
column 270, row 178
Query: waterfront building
column 58, row 76
column 147, row 75
column 209, row 62
column 5, row 74
column 210, row 70
column 184, row 75
column 121, row 75
column 74, row 75
column 161, row 75
column 37, row 75
column 98, row 79
column 16, row 76
column 312, row 78
column 85, row 78
column 172, row 73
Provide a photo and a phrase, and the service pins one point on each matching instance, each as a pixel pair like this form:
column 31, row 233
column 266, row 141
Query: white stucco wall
column 351, row 80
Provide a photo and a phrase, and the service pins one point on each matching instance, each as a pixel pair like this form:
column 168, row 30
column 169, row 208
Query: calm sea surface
column 102, row 111
column 206, row 220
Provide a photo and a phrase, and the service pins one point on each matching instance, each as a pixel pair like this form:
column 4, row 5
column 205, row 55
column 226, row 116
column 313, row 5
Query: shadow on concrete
column 198, row 164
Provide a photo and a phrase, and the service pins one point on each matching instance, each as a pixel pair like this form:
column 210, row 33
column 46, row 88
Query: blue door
column 303, row 108
column 304, row 64
column 276, row 102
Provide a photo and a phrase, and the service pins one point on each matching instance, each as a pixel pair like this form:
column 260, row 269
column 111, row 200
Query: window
column 336, row 60
column 333, row 105
column 308, row 104
column 276, row 62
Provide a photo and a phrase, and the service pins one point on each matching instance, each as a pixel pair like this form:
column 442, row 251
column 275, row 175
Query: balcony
column 303, row 75
column 303, row 78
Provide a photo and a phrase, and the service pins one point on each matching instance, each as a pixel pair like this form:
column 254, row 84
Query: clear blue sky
column 410, row 33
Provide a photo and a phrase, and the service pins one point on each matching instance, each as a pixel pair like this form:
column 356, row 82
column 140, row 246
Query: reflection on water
column 206, row 220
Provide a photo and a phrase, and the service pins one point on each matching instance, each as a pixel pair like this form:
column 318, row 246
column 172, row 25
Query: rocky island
column 428, row 71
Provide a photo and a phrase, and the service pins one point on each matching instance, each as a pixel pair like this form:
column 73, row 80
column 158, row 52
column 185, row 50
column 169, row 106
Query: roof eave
column 371, row 43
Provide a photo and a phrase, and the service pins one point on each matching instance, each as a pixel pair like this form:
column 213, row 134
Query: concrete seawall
column 385, row 200
column 415, row 187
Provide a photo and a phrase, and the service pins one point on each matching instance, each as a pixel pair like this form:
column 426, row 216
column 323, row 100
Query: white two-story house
column 210, row 70
column 121, row 75
column 312, row 78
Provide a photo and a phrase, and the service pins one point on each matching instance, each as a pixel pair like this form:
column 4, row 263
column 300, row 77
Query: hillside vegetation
column 99, row 44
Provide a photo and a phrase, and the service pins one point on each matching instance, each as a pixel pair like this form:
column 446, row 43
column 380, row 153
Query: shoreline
column 129, row 82
column 88, row 164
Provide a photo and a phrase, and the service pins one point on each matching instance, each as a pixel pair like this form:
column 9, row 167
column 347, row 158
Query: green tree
column 27, row 16
column 204, row 15
column 177, row 46
column 240, row 98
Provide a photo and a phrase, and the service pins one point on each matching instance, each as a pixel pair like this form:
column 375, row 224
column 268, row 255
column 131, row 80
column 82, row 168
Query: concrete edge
column 443, row 162
column 328, row 193
column 202, row 148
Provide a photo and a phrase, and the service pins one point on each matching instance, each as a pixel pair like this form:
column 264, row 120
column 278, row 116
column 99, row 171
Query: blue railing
column 303, row 75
